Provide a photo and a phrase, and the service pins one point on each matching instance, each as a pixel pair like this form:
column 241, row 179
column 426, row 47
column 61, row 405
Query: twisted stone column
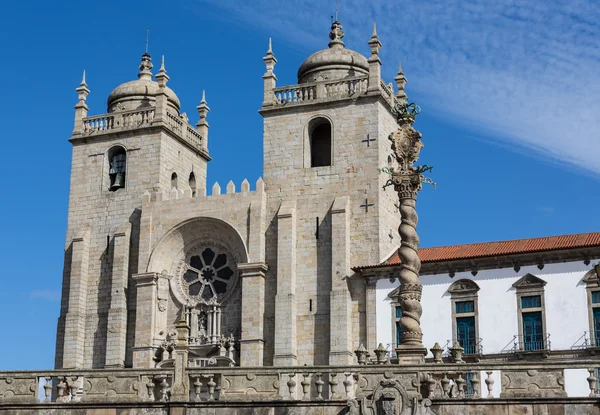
column 406, row 143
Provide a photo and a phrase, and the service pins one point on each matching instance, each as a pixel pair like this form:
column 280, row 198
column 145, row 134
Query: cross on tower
column 366, row 205
column 368, row 140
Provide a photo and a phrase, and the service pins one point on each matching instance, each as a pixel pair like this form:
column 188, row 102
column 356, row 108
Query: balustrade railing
column 344, row 88
column 127, row 119
column 140, row 118
column 528, row 343
column 295, row 93
column 312, row 383
column 586, row 341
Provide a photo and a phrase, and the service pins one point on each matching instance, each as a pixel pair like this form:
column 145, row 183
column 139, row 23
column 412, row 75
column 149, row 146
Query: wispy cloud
column 527, row 71
column 49, row 295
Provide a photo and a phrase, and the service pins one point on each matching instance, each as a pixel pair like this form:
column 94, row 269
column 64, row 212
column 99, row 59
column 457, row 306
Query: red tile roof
column 500, row 248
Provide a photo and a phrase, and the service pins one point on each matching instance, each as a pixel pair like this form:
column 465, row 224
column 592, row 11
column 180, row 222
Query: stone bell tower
column 325, row 142
column 143, row 143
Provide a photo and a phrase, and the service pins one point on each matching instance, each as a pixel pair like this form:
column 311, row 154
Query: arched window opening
column 320, row 143
column 192, row 182
column 117, row 158
column 174, row 180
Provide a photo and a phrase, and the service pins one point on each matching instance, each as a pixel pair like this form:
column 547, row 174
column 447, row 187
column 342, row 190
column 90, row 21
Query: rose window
column 208, row 275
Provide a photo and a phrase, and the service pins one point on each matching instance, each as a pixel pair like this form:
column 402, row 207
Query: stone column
column 146, row 290
column 406, row 143
column 285, row 300
column 253, row 310
column 340, row 303
column 371, row 311
column 117, row 314
column 73, row 346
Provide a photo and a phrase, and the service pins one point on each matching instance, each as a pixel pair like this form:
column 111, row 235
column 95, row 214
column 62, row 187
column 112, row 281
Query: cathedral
column 304, row 291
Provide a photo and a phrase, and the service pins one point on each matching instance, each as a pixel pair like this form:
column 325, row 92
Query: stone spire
column 161, row 76
column 202, row 124
column 400, row 83
column 81, row 107
column 145, row 67
column 336, row 35
column 160, row 112
column 269, row 77
column 374, row 61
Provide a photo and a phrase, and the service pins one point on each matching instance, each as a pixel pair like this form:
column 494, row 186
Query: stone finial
column 145, row 67
column 381, row 354
column 245, row 186
column 260, row 185
column 216, row 189
column 374, row 42
column 230, row 187
column 161, row 76
column 269, row 78
column 456, row 352
column 361, row 354
column 336, row 35
column 81, row 107
column 437, row 351
column 202, row 124
column 400, row 83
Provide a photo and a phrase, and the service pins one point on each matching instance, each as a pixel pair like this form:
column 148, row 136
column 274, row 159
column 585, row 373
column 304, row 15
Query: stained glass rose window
column 208, row 275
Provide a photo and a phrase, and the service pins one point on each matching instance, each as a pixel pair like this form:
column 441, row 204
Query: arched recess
column 192, row 183
column 117, row 167
column 174, row 180
column 171, row 247
column 319, row 142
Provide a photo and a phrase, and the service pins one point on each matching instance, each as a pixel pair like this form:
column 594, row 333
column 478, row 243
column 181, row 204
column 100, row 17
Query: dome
column 140, row 92
column 335, row 62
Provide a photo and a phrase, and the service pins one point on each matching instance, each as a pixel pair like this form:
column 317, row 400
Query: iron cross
column 366, row 205
column 368, row 140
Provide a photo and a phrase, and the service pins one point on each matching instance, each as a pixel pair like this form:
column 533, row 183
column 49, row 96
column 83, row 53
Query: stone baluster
column 445, row 386
column 592, row 382
column 347, row 384
column 291, row 384
column 47, row 389
column 60, row 389
column 163, row 388
column 475, row 384
column 319, row 386
column 489, row 381
column 333, row 384
column 431, row 382
column 211, row 388
column 150, row 390
column 460, row 386
column 197, row 388
column 305, row 387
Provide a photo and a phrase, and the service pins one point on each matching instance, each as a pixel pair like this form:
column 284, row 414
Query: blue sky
column 508, row 91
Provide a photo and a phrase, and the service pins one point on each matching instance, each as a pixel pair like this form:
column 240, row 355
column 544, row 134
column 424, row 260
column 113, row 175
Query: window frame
column 464, row 290
column 591, row 286
column 528, row 286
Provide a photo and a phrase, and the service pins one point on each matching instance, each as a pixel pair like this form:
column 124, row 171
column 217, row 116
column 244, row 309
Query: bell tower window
column 117, row 168
column 320, row 142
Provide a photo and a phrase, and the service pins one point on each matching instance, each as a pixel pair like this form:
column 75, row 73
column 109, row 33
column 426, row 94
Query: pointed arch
column 192, row 183
column 174, row 180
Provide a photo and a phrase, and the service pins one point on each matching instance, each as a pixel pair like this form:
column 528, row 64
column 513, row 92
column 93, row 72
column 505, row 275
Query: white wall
column 565, row 297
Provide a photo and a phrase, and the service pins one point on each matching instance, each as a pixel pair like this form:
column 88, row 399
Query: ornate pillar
column 253, row 310
column 181, row 385
column 406, row 143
